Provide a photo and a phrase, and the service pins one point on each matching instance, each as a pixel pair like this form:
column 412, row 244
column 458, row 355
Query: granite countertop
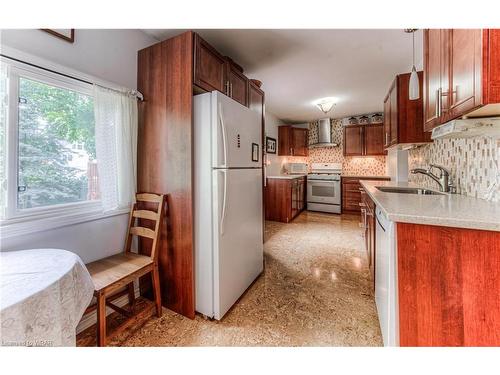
column 287, row 176
column 450, row 210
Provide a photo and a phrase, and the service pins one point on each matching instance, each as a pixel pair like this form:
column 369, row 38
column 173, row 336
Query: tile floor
column 315, row 291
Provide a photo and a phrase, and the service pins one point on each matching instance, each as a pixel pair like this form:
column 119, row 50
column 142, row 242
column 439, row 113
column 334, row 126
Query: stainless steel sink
column 404, row 190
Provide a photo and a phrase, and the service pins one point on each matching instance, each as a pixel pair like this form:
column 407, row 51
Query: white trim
column 13, row 228
column 15, row 217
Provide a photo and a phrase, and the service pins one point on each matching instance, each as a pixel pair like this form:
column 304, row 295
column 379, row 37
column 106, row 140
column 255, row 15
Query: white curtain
column 116, row 146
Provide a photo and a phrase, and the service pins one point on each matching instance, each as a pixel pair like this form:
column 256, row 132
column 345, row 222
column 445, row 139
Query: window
column 51, row 159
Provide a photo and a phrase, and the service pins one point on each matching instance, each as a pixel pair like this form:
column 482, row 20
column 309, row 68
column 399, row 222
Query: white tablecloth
column 43, row 295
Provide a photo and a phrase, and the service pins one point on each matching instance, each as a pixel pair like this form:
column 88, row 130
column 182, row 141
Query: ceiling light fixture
column 325, row 104
column 414, row 88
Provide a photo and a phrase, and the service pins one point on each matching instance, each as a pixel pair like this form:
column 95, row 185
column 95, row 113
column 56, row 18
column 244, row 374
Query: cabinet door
column 465, row 71
column 238, row 84
column 285, row 140
column 393, row 135
column 295, row 198
column 300, row 142
column 301, row 193
column 209, row 66
column 353, row 140
column 387, row 120
column 374, row 140
column 435, row 75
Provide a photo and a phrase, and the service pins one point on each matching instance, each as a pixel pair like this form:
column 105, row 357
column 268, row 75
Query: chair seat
column 108, row 271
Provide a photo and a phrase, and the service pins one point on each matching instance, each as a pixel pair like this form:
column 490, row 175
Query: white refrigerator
column 228, row 201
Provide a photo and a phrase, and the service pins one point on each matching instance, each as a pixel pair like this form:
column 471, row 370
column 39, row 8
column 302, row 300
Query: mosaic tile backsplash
column 354, row 166
column 473, row 164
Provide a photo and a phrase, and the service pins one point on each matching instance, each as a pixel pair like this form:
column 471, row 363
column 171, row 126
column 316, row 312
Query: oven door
column 321, row 191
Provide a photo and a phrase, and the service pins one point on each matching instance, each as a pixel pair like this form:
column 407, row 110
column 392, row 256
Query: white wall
column 110, row 55
column 107, row 54
column 277, row 162
column 91, row 240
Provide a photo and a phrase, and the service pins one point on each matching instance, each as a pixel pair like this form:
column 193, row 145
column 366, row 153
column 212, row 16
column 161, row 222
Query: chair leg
column 101, row 320
column 156, row 290
column 131, row 296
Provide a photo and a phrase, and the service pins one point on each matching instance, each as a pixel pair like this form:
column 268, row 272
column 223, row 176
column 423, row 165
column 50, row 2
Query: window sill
column 29, row 225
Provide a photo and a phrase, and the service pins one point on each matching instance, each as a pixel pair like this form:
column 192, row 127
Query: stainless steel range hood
column 324, row 134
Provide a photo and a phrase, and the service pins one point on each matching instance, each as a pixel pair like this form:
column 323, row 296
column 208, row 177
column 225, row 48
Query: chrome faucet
column 443, row 179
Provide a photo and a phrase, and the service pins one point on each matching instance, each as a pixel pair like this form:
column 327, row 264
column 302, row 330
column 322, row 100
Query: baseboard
column 88, row 320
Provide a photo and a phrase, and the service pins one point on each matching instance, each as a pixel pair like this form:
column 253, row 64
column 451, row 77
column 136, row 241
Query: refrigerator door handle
column 224, row 200
column 224, row 138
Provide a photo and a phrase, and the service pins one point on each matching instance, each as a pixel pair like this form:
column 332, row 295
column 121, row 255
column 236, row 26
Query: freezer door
column 238, row 255
column 236, row 134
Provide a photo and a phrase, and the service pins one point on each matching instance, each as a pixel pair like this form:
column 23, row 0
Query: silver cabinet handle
column 227, row 88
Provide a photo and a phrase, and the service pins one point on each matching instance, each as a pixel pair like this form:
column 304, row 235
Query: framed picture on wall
column 270, row 145
column 65, row 34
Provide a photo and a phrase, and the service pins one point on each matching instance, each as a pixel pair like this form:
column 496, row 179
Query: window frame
column 12, row 213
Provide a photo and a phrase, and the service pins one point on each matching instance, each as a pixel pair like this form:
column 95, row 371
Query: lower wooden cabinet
column 351, row 193
column 369, row 229
column 285, row 198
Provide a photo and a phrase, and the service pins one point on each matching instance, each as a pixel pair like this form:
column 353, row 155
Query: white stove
column 323, row 187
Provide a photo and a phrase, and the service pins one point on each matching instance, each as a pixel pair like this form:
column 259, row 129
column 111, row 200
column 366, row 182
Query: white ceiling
column 299, row 66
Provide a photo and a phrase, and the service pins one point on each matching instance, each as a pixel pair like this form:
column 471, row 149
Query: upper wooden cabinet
column 212, row 71
column 364, row 140
column 209, row 66
column 403, row 118
column 374, row 140
column 293, row 141
column 353, row 140
column 461, row 74
column 237, row 84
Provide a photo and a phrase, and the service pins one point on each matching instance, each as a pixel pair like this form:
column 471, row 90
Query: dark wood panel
column 465, row 59
column 209, row 66
column 300, row 141
column 285, row 198
column 353, row 140
column 410, row 116
column 448, row 282
column 284, row 140
column 387, row 119
column 351, row 192
column 491, row 66
column 374, row 140
column 432, row 77
column 165, row 77
column 238, row 84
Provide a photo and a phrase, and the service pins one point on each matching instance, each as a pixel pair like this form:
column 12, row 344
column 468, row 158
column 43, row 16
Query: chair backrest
column 154, row 216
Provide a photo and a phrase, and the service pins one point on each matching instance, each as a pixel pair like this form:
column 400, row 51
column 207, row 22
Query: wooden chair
column 112, row 274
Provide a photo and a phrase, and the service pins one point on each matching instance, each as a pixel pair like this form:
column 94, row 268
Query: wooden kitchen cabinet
column 448, row 283
column 237, row 83
column 354, row 140
column 364, row 140
column 374, row 140
column 293, row 141
column 403, row 118
column 461, row 74
column 351, row 192
column 285, row 198
column 209, row 66
column 368, row 225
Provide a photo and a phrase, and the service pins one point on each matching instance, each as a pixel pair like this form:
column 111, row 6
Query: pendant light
column 414, row 88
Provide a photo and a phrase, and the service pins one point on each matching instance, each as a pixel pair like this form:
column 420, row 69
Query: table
column 43, row 295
